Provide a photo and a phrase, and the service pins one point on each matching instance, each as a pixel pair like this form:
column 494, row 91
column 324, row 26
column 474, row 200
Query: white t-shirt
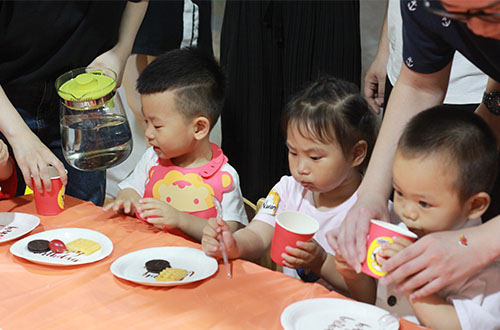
column 287, row 194
column 232, row 201
column 467, row 82
column 476, row 299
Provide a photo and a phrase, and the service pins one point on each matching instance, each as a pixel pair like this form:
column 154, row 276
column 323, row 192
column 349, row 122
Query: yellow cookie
column 83, row 245
column 171, row 274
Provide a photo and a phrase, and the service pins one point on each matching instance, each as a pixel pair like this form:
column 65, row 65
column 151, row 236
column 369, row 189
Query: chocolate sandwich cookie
column 157, row 265
column 38, row 246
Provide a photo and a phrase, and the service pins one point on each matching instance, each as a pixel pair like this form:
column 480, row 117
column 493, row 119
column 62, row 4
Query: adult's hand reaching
column 32, row 157
column 437, row 260
column 376, row 74
column 116, row 58
column 349, row 240
column 374, row 87
column 113, row 60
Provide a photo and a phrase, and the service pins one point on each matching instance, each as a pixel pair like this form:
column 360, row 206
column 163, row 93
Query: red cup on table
column 50, row 202
column 380, row 233
column 291, row 227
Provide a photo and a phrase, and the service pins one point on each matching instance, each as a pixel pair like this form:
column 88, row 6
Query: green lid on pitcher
column 87, row 86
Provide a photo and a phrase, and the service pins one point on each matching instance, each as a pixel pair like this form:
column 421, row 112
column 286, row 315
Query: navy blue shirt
column 430, row 41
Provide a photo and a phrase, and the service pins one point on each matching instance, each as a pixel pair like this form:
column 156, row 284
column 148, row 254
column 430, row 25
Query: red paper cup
column 381, row 232
column 291, row 227
column 50, row 203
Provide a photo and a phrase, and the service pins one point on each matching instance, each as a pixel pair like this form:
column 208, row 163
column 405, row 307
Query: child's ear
column 359, row 153
column 201, row 127
column 477, row 204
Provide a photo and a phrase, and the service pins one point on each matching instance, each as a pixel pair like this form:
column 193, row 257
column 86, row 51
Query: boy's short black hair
column 463, row 137
column 332, row 110
column 193, row 75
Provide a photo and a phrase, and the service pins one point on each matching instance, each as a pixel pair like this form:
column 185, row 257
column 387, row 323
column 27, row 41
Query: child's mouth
column 306, row 185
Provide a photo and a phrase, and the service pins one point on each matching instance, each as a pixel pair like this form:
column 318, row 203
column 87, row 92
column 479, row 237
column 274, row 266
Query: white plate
column 20, row 248
column 14, row 225
column 131, row 267
column 331, row 313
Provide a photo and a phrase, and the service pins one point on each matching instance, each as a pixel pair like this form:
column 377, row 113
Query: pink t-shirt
column 287, row 194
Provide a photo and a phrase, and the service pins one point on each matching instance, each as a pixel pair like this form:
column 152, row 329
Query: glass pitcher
column 95, row 132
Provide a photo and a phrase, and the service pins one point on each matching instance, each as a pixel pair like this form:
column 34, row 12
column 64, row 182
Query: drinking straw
column 218, row 207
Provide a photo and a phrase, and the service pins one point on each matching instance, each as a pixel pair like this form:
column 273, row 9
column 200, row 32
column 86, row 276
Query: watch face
column 492, row 102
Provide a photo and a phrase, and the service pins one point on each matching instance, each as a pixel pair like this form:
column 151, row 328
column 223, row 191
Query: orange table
column 91, row 297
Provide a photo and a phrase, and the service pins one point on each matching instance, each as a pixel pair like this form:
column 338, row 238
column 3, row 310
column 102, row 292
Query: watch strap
column 492, row 102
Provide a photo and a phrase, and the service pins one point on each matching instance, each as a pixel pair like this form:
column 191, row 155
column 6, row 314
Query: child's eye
column 424, row 204
column 292, row 153
column 398, row 193
column 316, row 157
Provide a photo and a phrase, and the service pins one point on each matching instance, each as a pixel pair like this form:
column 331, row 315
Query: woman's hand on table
column 210, row 240
column 349, row 240
column 126, row 200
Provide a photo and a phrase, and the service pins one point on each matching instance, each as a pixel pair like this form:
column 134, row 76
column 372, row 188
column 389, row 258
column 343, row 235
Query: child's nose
column 302, row 168
column 409, row 212
column 148, row 133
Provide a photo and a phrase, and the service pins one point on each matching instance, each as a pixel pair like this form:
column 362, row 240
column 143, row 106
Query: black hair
column 464, row 138
column 193, row 75
column 332, row 110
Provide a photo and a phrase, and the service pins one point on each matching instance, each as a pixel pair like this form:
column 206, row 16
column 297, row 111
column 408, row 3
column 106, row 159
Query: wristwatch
column 492, row 101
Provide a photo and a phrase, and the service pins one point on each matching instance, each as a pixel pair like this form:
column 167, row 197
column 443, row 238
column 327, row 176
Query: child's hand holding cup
column 381, row 233
column 291, row 227
column 50, row 202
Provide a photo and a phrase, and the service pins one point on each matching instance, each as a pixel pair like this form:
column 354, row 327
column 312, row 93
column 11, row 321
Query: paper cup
column 291, row 227
column 50, row 203
column 381, row 232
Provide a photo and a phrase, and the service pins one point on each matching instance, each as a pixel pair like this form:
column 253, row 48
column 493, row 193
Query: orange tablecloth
column 90, row 297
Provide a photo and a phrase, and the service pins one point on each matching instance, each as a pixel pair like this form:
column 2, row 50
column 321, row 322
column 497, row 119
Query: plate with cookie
column 165, row 266
column 14, row 225
column 64, row 247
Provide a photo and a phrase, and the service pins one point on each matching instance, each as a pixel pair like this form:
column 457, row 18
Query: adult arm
column 116, row 57
column 31, row 155
column 376, row 74
column 413, row 93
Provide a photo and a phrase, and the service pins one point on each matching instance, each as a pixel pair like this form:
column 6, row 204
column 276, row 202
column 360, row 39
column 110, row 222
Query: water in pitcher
column 95, row 141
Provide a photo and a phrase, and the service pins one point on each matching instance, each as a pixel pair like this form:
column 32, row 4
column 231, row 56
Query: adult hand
column 32, row 157
column 349, row 240
column 114, row 60
column 433, row 262
column 374, row 88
